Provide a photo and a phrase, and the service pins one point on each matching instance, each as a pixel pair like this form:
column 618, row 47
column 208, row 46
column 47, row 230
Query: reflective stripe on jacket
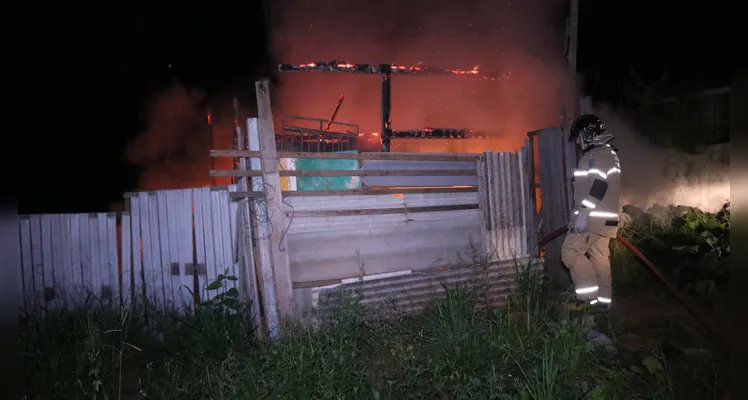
column 597, row 188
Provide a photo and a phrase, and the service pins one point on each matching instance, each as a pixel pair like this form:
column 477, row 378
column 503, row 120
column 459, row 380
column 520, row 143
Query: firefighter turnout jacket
column 597, row 187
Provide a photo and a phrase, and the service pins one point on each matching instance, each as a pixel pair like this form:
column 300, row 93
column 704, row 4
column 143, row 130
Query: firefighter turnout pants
column 587, row 255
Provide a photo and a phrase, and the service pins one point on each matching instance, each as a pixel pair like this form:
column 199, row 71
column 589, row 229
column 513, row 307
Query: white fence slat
column 47, row 259
column 215, row 210
column 137, row 249
column 197, row 210
column 184, row 201
column 173, row 228
column 94, row 269
column 103, row 266
column 156, row 280
column 57, row 261
column 66, row 263
column 113, row 263
column 163, row 241
column 126, row 237
column 27, row 290
column 226, row 238
column 76, row 276
column 37, row 260
column 210, row 249
column 234, row 236
column 145, row 232
column 86, row 258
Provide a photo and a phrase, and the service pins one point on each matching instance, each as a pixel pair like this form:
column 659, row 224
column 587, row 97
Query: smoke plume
column 652, row 174
column 524, row 39
column 173, row 151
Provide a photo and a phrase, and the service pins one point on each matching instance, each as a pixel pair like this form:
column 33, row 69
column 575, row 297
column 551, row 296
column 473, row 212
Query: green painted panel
column 324, row 182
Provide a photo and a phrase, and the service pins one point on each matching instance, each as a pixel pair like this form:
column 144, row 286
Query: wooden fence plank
column 57, row 261
column 197, row 209
column 103, row 267
column 231, row 239
column 37, row 260
column 186, row 249
column 27, row 265
column 76, row 274
column 126, row 259
column 218, row 228
column 173, row 236
column 245, row 251
column 137, row 250
column 358, row 192
column 344, row 173
column 261, row 232
column 86, row 259
column 112, row 263
column 146, row 243
column 271, row 177
column 156, row 290
column 94, row 278
column 47, row 259
column 68, row 297
column 210, row 250
column 353, row 156
column 164, row 250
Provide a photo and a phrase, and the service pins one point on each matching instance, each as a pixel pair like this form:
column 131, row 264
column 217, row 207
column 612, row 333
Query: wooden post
column 261, row 232
column 247, row 272
column 276, row 218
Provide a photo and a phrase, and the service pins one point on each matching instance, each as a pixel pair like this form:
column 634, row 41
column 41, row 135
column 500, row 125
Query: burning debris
column 386, row 71
column 434, row 133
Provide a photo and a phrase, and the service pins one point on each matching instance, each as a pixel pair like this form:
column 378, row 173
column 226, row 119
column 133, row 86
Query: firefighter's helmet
column 587, row 131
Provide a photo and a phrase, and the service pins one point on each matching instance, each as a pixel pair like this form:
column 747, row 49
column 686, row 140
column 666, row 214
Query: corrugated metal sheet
column 404, row 181
column 551, row 145
column 336, row 247
column 413, row 291
column 531, row 213
column 505, row 186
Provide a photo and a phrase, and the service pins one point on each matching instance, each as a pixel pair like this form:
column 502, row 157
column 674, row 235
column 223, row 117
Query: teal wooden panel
column 327, row 183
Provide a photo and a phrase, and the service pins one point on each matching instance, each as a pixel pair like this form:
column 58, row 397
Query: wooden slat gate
column 176, row 242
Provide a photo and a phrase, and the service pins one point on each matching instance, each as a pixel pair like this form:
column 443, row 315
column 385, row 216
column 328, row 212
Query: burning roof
column 392, row 69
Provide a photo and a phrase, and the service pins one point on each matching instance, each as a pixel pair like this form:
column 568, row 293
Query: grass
column 455, row 349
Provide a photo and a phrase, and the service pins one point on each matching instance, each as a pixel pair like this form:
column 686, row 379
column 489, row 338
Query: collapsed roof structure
column 386, row 71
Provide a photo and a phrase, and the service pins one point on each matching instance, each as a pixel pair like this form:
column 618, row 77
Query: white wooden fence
column 68, row 259
column 188, row 238
column 166, row 249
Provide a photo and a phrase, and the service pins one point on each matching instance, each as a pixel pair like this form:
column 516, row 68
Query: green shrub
column 689, row 245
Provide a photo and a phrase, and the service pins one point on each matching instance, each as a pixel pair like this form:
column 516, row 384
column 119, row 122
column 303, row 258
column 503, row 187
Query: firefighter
column 594, row 220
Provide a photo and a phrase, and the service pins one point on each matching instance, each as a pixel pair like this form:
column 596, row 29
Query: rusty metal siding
column 337, row 247
column 412, row 292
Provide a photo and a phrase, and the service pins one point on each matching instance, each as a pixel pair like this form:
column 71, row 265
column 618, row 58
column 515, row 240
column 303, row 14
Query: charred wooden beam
column 379, row 69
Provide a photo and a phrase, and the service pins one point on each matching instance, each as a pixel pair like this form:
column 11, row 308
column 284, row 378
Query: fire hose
column 692, row 310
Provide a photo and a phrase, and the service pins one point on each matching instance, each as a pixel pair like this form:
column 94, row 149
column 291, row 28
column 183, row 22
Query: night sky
column 92, row 103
